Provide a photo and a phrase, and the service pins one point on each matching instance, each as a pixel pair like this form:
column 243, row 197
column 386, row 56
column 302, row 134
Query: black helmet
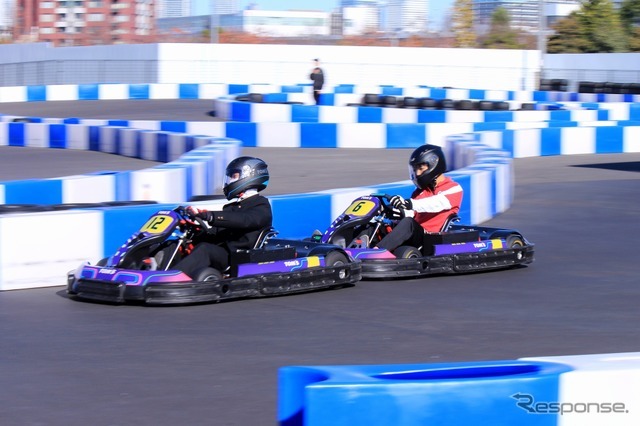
column 245, row 173
column 433, row 157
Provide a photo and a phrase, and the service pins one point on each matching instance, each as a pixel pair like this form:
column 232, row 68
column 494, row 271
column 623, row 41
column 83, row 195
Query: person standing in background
column 317, row 76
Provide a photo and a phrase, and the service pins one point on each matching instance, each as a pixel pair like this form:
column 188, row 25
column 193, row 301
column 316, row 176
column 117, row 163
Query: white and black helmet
column 433, row 157
column 245, row 173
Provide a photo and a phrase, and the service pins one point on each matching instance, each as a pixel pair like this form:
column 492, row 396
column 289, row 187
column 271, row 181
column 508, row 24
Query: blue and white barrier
column 564, row 390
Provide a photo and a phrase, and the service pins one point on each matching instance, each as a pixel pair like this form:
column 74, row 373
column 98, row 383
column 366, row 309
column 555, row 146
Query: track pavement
column 71, row 363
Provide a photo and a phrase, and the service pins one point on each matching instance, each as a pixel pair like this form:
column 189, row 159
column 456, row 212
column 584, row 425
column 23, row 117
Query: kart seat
column 265, row 234
column 453, row 218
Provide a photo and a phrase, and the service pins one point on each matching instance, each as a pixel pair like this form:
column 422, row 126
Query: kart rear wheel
column 514, row 241
column 207, row 275
column 407, row 252
column 335, row 258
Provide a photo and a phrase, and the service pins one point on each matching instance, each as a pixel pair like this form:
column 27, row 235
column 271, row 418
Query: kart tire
column 102, row 262
column 407, row 252
column 207, row 275
column 335, row 258
column 514, row 241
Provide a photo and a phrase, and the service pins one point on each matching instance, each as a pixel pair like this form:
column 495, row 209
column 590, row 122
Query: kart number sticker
column 360, row 208
column 157, row 224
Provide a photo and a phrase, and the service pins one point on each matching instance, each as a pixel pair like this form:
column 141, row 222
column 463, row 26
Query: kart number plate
column 157, row 224
column 360, row 208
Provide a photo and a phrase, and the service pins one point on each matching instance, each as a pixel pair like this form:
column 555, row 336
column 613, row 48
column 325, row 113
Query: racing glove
column 397, row 202
column 203, row 214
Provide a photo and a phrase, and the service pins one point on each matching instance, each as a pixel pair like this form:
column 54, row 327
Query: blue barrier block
column 287, row 210
column 609, row 140
column 173, row 126
column 241, row 111
column 432, row 116
column 88, row 92
column 344, row 88
column 237, row 88
column 539, row 96
column 16, row 134
column 188, row 91
column 603, row 114
column 477, row 94
column 138, row 91
column 118, row 123
column 71, row 120
column 33, row 191
column 395, row 188
column 121, row 222
column 507, row 141
column 392, row 91
column 369, row 115
column 634, row 112
column 292, row 89
column 560, row 115
column 551, row 141
column 36, row 93
column 94, row 138
column 437, row 93
column 275, row 98
column 560, row 123
column 327, row 99
column 162, row 145
column 472, row 393
column 484, row 126
column 57, row 136
column 245, row 132
column 318, row 135
column 304, row 114
column 502, row 116
column 405, row 135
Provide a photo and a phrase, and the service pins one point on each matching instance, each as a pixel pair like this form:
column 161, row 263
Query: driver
column 239, row 223
column 435, row 198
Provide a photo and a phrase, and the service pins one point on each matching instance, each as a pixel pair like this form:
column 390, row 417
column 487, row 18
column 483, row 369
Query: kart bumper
column 448, row 264
column 204, row 292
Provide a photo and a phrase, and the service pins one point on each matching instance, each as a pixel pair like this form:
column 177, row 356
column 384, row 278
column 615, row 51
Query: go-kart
column 456, row 249
column 273, row 267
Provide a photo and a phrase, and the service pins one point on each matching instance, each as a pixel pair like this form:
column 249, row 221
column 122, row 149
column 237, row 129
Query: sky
column 437, row 8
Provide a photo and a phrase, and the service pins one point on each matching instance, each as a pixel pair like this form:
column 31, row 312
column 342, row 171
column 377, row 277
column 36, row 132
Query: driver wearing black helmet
column 435, row 198
column 238, row 224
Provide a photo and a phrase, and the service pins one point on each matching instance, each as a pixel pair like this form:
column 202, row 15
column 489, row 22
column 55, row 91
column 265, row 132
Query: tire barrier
column 562, row 390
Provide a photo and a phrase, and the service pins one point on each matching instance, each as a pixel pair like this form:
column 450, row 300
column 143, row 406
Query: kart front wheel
column 407, row 252
column 335, row 258
column 514, row 241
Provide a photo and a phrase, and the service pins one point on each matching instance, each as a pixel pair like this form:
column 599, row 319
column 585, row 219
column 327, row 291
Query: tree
column 462, row 24
column 601, row 24
column 630, row 15
column 568, row 37
column 501, row 35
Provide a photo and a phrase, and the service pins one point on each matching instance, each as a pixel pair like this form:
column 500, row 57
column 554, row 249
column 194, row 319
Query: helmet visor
column 235, row 174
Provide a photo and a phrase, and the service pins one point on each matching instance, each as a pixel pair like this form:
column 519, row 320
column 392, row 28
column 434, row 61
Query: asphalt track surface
column 64, row 362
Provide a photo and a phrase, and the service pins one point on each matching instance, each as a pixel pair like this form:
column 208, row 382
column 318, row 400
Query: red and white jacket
column 432, row 208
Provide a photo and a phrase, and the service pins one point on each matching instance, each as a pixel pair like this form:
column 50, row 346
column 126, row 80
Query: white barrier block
column 161, row 185
column 4, row 133
column 516, row 125
column 2, row 196
column 527, row 143
column 212, row 91
column 207, row 128
column 177, row 145
column 52, row 120
column 343, row 99
column 492, row 139
column 200, row 184
column 597, row 382
column 437, row 132
column 13, row 94
column 149, row 146
column 524, row 116
column 578, row 140
column 108, row 138
column 416, row 92
column 631, row 139
column 24, row 264
column 62, row 92
column 164, row 91
column 215, row 161
column 128, row 141
column 305, row 98
column 481, row 196
column 77, row 136
column 144, row 124
column 399, row 115
column 94, row 122
column 36, row 135
column 584, row 115
column 88, row 188
column 496, row 95
column 285, row 135
column 464, row 116
column 618, row 111
column 362, row 135
column 263, row 88
column 113, row 91
column 268, row 113
column 338, row 114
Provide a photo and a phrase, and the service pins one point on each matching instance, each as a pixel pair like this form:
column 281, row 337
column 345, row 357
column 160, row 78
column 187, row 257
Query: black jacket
column 318, row 79
column 238, row 225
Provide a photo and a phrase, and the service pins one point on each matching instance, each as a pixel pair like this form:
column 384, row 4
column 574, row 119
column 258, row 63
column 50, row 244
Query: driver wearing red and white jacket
column 435, row 199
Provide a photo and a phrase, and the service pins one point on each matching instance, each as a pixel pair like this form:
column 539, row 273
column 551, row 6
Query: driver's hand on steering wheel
column 397, row 202
column 202, row 214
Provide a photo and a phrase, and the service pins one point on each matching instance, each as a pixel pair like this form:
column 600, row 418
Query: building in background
column 285, row 23
column 410, row 16
column 524, row 14
column 77, row 22
column 359, row 17
column 173, row 8
column 225, row 7
column 6, row 18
